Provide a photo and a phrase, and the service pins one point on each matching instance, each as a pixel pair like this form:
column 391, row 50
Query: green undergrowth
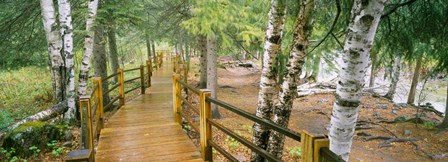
column 23, row 92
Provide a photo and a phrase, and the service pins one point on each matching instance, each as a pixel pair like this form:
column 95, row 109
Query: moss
column 30, row 134
column 25, row 126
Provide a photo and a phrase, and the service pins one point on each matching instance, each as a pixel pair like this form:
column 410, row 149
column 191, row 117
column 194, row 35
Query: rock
column 32, row 134
column 396, row 108
column 323, row 100
column 196, row 119
column 67, row 144
column 394, row 112
column 240, row 157
column 407, row 132
column 376, row 114
column 402, row 104
column 381, row 107
column 68, row 135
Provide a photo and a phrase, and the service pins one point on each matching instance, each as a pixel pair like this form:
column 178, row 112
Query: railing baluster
column 206, row 128
column 99, row 95
column 86, row 130
column 176, row 100
column 142, row 79
column 149, row 68
column 121, row 90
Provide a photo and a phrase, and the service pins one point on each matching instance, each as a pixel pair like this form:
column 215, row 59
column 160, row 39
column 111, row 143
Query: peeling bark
column 54, row 42
column 88, row 48
column 45, row 115
column 65, row 20
column 395, row 77
column 268, row 81
column 288, row 92
column 365, row 16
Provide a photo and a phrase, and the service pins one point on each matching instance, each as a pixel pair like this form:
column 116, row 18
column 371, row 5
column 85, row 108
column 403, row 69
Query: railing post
column 86, row 130
column 98, row 81
column 142, row 78
column 149, row 64
column 311, row 144
column 156, row 62
column 176, row 100
column 121, row 90
column 205, row 127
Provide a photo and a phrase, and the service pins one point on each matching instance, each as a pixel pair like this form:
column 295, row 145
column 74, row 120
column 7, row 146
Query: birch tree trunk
column 288, row 92
column 365, row 16
column 445, row 119
column 395, row 77
column 113, row 50
column 372, row 71
column 268, row 81
column 65, row 19
column 212, row 76
column 88, row 48
column 54, row 42
column 411, row 96
column 202, row 41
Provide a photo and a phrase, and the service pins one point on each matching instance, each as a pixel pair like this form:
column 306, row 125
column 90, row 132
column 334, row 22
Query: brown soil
column 239, row 87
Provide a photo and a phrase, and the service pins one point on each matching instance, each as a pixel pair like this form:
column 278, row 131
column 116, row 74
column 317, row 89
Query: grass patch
column 23, row 92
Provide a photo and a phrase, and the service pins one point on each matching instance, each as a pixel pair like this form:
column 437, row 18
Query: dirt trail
column 239, row 87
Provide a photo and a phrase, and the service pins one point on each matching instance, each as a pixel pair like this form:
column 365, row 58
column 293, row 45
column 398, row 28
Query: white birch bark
column 288, row 92
column 267, row 81
column 65, row 19
column 394, row 78
column 88, row 48
column 54, row 47
column 365, row 16
column 212, row 76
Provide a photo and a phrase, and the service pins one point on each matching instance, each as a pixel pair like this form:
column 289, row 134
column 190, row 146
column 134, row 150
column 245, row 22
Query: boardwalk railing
column 314, row 147
column 92, row 106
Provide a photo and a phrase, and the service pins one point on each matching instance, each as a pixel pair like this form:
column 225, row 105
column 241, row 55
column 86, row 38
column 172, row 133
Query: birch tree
column 394, row 78
column 88, row 47
column 365, row 16
column 288, row 92
column 267, row 82
column 54, row 43
column 65, row 19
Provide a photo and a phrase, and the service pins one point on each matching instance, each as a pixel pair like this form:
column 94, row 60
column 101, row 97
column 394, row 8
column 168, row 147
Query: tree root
column 389, row 141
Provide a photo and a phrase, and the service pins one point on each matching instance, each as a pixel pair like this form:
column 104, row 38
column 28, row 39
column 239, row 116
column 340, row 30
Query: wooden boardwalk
column 144, row 128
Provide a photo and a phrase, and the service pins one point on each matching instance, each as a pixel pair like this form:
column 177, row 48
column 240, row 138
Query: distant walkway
column 144, row 128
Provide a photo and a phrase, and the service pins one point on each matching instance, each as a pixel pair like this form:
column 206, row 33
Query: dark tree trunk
column 113, row 51
column 411, row 97
column 202, row 41
column 153, row 49
column 148, row 46
column 100, row 58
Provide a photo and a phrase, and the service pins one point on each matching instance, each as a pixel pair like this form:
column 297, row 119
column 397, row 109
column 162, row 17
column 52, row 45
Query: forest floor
column 378, row 117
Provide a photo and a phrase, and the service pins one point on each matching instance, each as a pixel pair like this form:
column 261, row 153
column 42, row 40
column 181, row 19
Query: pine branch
column 396, row 7
column 338, row 6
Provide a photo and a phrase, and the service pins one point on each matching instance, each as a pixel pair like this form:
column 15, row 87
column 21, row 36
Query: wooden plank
column 144, row 128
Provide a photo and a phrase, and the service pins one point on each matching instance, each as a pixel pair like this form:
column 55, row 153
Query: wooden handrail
column 314, row 149
column 92, row 106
